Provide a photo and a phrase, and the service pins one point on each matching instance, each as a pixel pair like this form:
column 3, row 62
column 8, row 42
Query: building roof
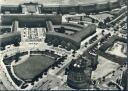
column 101, row 17
column 8, row 19
column 108, row 43
column 111, row 41
column 86, row 32
column 64, row 36
column 78, row 64
column 73, row 25
column 55, row 2
column 7, row 36
column 8, row 6
column 78, row 37
column 31, row 8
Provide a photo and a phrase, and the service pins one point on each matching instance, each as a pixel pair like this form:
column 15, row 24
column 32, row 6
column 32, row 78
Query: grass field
column 33, row 66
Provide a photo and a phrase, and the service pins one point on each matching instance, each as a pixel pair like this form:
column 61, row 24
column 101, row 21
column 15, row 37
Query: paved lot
column 32, row 67
column 104, row 67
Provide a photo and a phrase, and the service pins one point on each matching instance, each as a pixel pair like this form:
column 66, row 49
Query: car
column 124, row 27
column 72, row 13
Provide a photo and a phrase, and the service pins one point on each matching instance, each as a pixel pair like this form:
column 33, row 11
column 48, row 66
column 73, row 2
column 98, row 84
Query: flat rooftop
column 118, row 49
column 101, row 16
column 33, row 66
column 56, row 2
column 104, row 67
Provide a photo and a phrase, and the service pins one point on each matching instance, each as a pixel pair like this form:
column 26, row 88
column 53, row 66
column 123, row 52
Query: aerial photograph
column 63, row 45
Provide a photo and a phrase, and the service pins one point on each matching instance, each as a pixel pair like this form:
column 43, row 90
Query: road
column 112, row 78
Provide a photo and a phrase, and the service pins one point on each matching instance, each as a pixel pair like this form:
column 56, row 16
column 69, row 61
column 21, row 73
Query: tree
column 94, row 82
column 113, row 73
column 93, row 20
column 82, row 23
column 108, row 19
column 88, row 14
column 74, row 51
column 68, row 46
column 81, row 18
column 55, row 42
column 103, row 32
column 5, row 56
column 17, row 56
column 101, row 24
column 103, row 78
column 69, row 19
column 62, row 30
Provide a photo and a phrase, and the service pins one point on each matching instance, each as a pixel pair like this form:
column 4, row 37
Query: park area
column 33, row 66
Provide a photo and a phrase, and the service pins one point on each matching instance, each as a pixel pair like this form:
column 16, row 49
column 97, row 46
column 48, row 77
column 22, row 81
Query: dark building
column 30, row 20
column 5, row 30
column 11, row 9
column 69, row 41
column 124, row 81
column 93, row 57
column 111, row 41
column 81, row 8
column 10, row 38
column 63, row 9
column 31, row 7
column 79, row 73
column 80, row 70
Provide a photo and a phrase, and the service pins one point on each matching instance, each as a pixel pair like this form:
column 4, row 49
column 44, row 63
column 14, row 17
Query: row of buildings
column 63, row 9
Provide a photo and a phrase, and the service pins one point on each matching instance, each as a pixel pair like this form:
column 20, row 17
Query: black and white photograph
column 63, row 45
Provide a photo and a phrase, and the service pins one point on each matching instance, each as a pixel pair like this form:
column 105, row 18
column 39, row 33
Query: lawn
column 33, row 66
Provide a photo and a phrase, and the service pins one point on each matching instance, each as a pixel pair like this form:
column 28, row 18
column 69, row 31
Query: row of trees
column 103, row 24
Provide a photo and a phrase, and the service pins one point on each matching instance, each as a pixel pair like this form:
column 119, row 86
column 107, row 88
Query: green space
column 33, row 66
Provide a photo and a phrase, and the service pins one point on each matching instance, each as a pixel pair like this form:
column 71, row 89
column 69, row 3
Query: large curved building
column 79, row 74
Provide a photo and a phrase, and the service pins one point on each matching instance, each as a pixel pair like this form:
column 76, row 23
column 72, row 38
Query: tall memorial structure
column 79, row 73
